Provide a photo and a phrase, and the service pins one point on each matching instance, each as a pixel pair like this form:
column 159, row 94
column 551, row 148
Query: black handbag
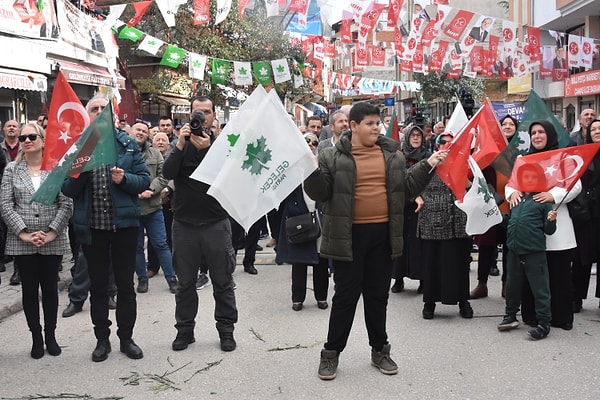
column 580, row 209
column 302, row 228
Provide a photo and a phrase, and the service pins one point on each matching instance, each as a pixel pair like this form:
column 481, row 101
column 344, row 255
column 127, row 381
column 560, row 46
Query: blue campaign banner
column 513, row 109
column 313, row 25
column 389, row 101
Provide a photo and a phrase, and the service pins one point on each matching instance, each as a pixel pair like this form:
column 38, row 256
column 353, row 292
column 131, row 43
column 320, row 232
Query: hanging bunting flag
column 459, row 23
column 173, row 56
column 346, row 35
column 587, row 52
column 509, row 36
column 377, row 56
column 223, row 8
column 272, row 8
column 262, row 72
column 220, row 71
column 281, row 70
column 140, row 9
column 130, row 34
column 298, row 6
column 329, row 48
column 394, row 10
column 242, row 5
column 151, row 45
column 242, row 73
column 197, row 65
column 168, row 9
column 114, row 14
column 201, row 12
column 574, row 50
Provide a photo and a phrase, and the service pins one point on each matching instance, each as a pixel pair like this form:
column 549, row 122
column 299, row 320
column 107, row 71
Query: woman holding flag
column 559, row 245
column 36, row 236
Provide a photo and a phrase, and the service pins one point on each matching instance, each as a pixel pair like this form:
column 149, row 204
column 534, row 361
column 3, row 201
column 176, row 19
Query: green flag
column 220, row 71
column 95, row 147
column 534, row 110
column 130, row 33
column 173, row 56
column 262, row 72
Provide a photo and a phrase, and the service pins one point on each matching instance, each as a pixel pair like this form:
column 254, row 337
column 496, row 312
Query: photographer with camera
column 201, row 231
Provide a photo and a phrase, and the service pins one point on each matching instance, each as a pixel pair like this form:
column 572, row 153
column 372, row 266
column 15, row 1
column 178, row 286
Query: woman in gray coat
column 36, row 236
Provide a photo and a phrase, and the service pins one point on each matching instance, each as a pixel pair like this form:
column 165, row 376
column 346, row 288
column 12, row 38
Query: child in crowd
column 528, row 222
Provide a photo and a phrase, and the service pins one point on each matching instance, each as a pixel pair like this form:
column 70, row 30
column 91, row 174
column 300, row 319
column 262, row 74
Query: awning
column 22, row 80
column 177, row 101
column 90, row 75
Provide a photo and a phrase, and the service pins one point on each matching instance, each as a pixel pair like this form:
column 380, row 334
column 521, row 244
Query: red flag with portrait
column 553, row 168
column 67, row 119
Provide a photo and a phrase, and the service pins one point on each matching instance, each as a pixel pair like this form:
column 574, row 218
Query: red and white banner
column 574, row 50
column 201, row 12
column 459, row 23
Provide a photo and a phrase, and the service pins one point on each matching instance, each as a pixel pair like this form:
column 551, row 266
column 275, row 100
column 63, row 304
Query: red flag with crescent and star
column 67, row 118
column 540, row 172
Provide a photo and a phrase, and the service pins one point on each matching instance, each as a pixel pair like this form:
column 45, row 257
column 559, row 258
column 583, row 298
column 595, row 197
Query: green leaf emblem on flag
column 258, row 156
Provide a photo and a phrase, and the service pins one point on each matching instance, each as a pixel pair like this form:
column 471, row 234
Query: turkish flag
column 454, row 171
column 140, row 9
column 489, row 140
column 67, row 118
column 540, row 172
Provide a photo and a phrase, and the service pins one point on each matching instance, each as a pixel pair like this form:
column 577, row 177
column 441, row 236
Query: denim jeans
column 154, row 226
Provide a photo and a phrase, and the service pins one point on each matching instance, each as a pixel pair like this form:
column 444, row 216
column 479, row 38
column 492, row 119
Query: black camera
column 196, row 123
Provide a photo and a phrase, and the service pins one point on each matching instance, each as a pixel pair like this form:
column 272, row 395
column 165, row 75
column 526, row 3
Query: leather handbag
column 302, row 228
column 580, row 209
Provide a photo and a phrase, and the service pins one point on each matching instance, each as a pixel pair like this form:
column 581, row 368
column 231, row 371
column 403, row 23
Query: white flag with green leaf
column 151, row 45
column 267, row 162
column 242, row 73
column 197, row 65
column 219, row 151
column 281, row 70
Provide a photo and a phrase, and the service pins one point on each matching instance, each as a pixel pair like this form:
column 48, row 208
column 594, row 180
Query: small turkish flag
column 540, row 172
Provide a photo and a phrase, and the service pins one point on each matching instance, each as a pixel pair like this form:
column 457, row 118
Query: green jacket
column 528, row 226
column 333, row 184
column 154, row 161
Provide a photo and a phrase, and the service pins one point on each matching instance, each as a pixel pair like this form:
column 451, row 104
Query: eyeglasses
column 32, row 137
column 313, row 142
column 97, row 108
column 443, row 142
column 415, row 135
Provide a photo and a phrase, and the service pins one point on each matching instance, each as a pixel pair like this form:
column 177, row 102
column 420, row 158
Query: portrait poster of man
column 29, row 18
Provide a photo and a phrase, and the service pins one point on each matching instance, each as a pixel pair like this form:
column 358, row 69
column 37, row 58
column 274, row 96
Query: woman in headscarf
column 409, row 265
column 559, row 245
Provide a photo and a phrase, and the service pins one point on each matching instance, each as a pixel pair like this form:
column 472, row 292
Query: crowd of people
column 385, row 216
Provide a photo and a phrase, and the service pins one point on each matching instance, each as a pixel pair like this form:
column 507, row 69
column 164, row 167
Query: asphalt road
column 278, row 352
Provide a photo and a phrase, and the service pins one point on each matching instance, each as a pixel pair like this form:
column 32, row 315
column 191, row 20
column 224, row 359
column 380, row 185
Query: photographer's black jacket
column 191, row 204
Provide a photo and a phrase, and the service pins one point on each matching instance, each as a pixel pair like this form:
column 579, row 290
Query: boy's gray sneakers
column 509, row 322
column 328, row 365
column 539, row 332
column 383, row 361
